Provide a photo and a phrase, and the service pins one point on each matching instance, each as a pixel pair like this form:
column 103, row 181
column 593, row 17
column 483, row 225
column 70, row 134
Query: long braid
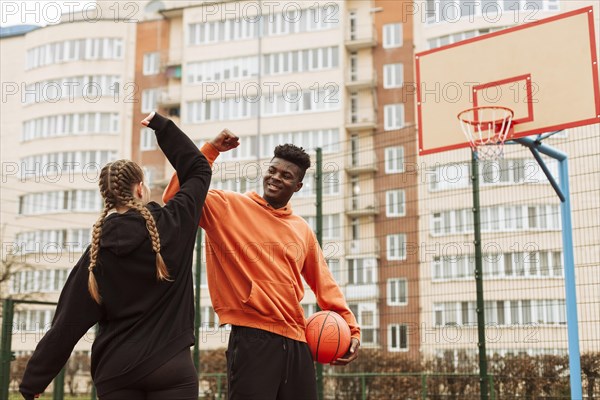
column 162, row 273
column 127, row 174
column 97, row 231
column 95, row 245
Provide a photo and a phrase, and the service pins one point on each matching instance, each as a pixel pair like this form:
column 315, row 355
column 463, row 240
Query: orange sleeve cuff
column 211, row 154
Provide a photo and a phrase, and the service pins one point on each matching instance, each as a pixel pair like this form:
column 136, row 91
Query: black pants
column 174, row 380
column 265, row 366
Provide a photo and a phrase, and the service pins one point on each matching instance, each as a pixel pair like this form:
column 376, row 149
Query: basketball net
column 487, row 128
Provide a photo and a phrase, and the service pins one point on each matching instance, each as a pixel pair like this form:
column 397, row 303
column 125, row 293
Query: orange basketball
column 328, row 336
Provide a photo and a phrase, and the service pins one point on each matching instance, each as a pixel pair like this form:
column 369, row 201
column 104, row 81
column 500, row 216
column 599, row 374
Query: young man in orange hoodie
column 257, row 251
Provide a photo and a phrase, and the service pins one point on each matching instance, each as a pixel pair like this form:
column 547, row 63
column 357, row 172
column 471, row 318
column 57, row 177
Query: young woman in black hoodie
column 135, row 281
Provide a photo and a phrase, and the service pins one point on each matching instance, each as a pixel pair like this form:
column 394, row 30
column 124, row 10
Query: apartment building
column 67, row 113
column 523, row 265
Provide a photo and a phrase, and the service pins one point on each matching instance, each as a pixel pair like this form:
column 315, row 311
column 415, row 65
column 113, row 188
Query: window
column 309, row 309
column 60, row 201
column 366, row 316
column 393, row 116
column 334, row 267
column 149, row 100
column 147, row 140
column 209, row 318
column 393, row 75
column 398, row 337
column 397, row 292
column 151, row 65
column 53, row 163
column 395, row 203
column 361, row 271
column 353, row 66
column 396, row 247
column 70, row 124
column 394, row 160
column 331, row 225
column 352, row 19
column 392, row 35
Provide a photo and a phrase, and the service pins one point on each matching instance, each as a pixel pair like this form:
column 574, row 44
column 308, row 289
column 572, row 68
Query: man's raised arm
column 224, row 141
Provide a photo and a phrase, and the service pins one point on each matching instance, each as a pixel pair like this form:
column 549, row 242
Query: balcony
column 361, row 291
column 363, row 161
column 359, row 80
column 366, row 246
column 173, row 71
column 362, row 205
column 357, row 39
column 170, row 96
column 361, row 124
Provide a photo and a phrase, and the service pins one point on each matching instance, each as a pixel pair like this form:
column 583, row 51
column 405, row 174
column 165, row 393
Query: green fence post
column 319, row 235
column 492, row 391
column 423, row 386
column 93, row 396
column 363, row 386
column 59, row 385
column 220, row 395
column 5, row 345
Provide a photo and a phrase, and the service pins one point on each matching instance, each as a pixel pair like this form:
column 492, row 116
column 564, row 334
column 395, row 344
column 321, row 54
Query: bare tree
column 11, row 262
column 78, row 363
column 17, row 369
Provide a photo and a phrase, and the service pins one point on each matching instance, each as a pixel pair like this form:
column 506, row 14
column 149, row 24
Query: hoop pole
column 483, row 376
column 569, row 259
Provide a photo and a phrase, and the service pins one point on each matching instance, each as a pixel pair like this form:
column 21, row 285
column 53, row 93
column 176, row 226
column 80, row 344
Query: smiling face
column 281, row 181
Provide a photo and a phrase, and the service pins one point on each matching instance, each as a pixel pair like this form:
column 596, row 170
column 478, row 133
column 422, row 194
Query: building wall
column 97, row 125
column 154, row 39
column 386, row 13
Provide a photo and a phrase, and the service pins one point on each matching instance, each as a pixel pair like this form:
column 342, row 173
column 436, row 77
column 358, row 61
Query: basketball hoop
column 487, row 128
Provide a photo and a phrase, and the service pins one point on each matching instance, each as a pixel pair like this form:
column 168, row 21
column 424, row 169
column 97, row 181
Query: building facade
column 69, row 115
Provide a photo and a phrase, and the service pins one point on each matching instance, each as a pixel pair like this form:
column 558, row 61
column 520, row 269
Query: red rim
column 499, row 121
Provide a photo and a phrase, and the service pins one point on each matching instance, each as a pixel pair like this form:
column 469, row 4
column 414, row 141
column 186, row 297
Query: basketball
column 328, row 336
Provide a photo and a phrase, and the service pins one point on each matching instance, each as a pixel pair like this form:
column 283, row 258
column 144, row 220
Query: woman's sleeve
column 183, row 211
column 75, row 314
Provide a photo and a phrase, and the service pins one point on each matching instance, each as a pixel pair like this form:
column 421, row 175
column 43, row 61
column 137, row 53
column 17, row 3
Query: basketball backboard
column 545, row 71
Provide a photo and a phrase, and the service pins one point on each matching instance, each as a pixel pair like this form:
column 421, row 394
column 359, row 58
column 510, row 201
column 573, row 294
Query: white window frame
column 401, row 286
column 393, row 116
column 364, row 271
column 151, row 63
column 147, row 140
column 393, row 75
column 394, row 156
column 149, row 100
column 395, row 203
column 392, row 35
column 396, row 247
column 372, row 308
column 401, row 329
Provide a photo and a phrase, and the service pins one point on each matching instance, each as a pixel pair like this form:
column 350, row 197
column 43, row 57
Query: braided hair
column 116, row 183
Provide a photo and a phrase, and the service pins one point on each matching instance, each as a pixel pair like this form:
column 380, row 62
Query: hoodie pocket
column 276, row 300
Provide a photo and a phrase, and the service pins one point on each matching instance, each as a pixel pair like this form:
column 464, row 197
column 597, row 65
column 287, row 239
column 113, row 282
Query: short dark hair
column 294, row 154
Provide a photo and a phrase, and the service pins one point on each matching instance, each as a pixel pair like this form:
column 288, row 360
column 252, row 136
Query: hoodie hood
column 123, row 233
column 279, row 212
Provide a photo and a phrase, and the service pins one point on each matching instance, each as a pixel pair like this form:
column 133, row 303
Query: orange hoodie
column 256, row 257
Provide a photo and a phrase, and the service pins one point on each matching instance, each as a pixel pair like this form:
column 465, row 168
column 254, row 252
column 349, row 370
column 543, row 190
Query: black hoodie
column 142, row 322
